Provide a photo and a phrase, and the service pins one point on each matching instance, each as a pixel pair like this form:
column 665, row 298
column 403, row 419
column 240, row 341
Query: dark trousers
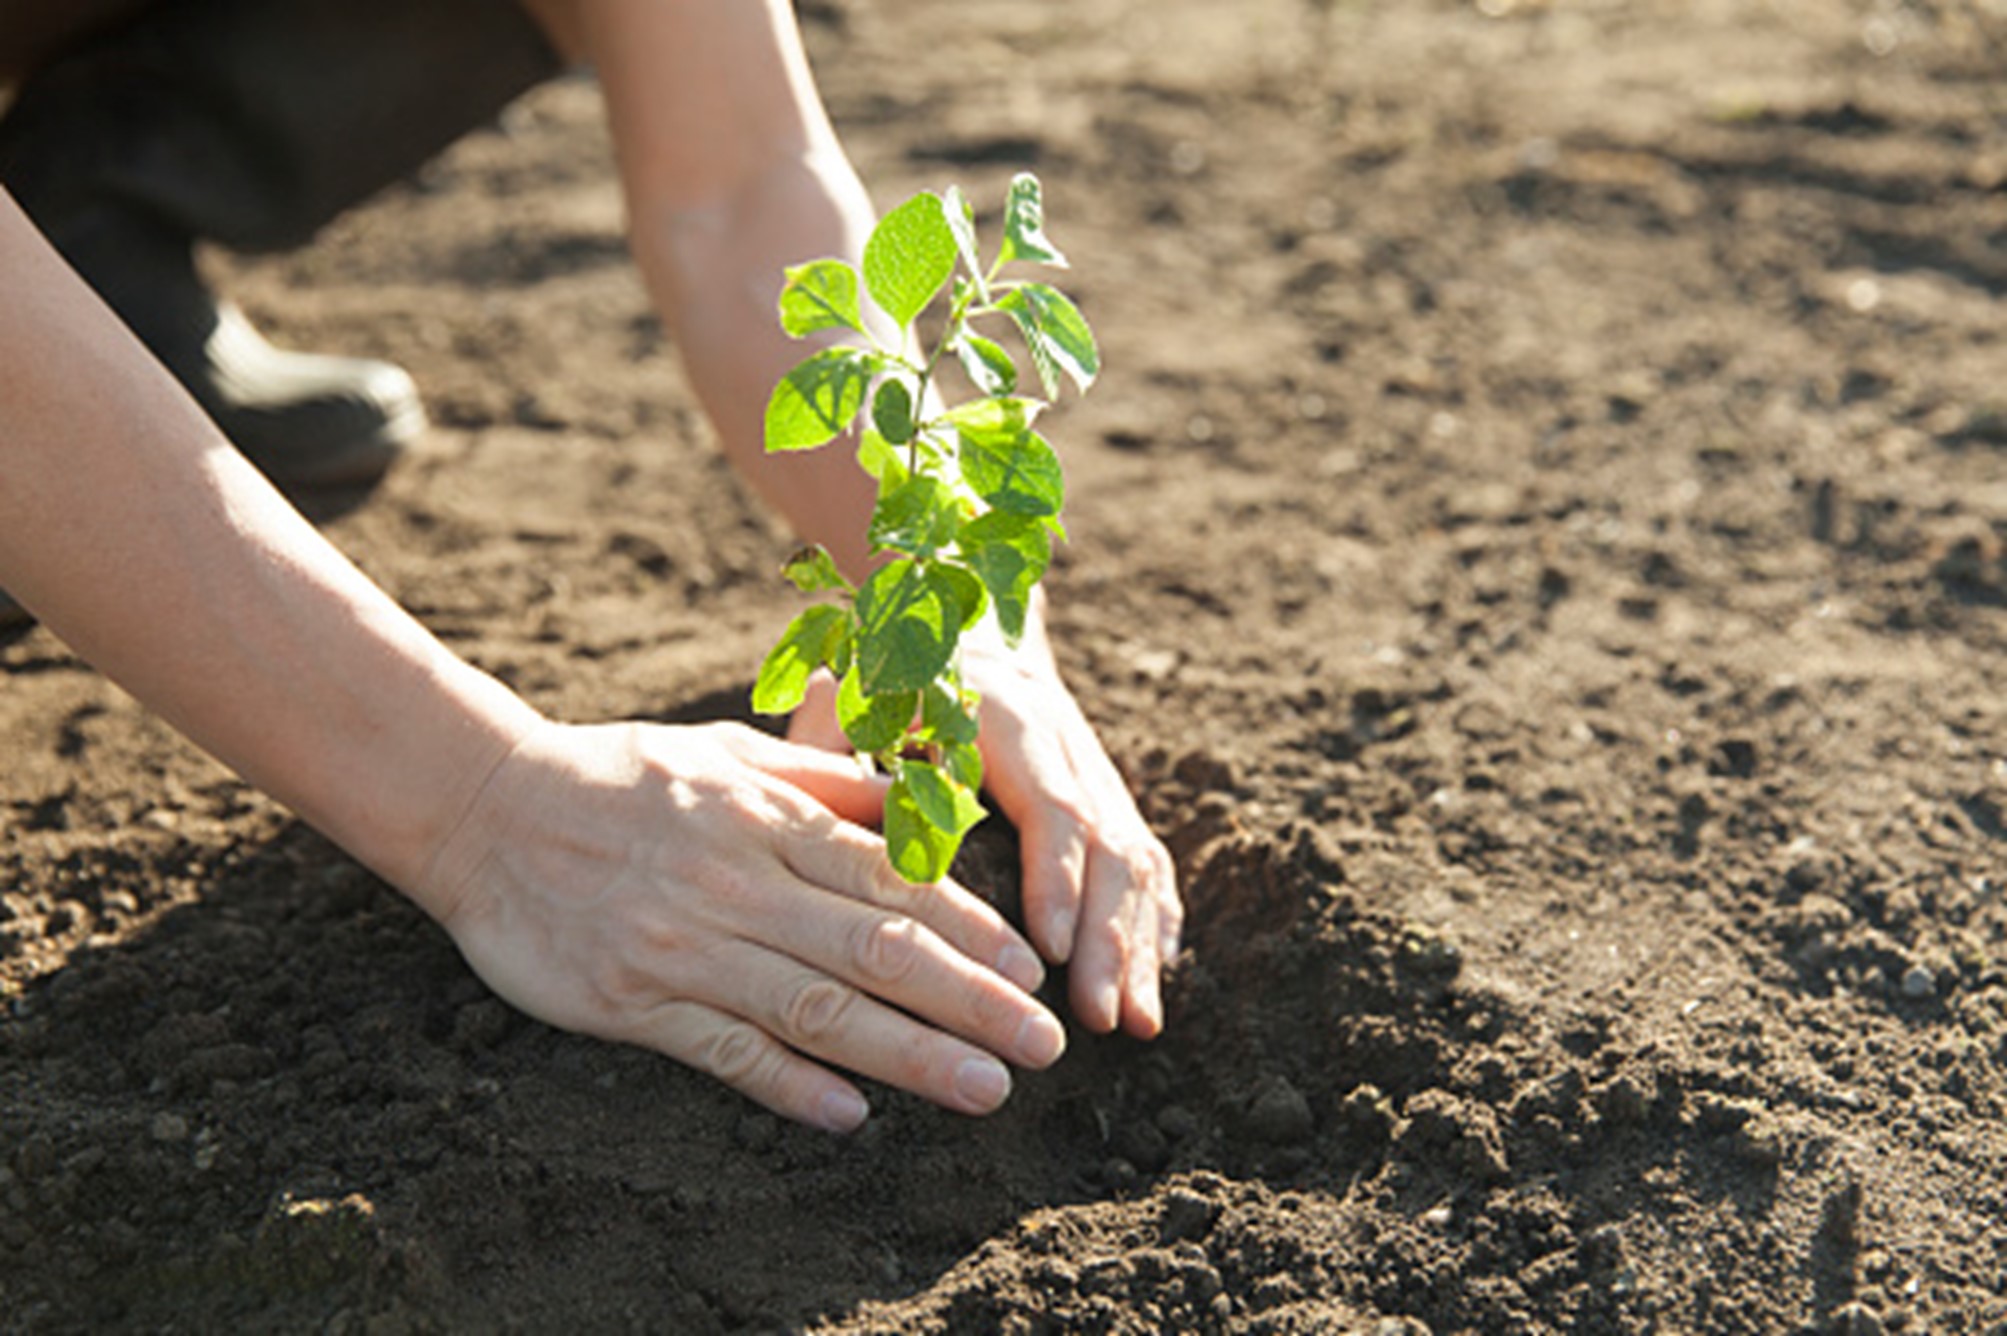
column 247, row 122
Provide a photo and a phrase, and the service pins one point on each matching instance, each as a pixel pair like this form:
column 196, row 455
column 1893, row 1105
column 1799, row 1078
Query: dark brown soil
column 1539, row 553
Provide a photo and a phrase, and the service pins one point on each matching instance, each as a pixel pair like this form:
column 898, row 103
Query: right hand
column 705, row 891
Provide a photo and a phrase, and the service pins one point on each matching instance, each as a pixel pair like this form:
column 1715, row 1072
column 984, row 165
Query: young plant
column 969, row 494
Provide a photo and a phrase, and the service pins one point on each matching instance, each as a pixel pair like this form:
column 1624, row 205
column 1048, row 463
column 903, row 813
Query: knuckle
column 992, row 1011
column 882, row 884
column 621, row 989
column 736, row 1053
column 886, row 949
column 1108, row 937
column 815, row 1010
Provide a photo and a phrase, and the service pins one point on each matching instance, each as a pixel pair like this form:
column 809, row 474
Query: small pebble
column 1177, row 1122
column 1918, row 982
column 1280, row 1114
column 169, row 1128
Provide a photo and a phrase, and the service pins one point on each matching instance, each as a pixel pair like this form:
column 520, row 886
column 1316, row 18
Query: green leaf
column 814, row 571
column 964, row 763
column 910, row 255
column 927, row 812
column 881, row 459
column 994, row 416
column 920, row 853
column 962, row 225
column 1017, row 473
column 1055, row 331
column 943, row 716
column 990, row 368
column 892, row 412
column 817, row 400
column 909, row 619
column 874, row 723
column 1024, row 225
column 917, row 517
column 813, row 639
column 945, row 803
column 821, row 294
column 968, row 590
column 1010, row 554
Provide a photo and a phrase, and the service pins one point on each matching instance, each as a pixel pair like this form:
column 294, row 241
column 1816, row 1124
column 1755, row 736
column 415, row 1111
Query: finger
column 838, row 782
column 806, row 1009
column 852, row 862
column 1142, row 1004
column 814, row 722
column 1054, row 848
column 751, row 1061
column 1103, row 947
column 897, row 958
column 1033, row 781
column 1170, row 914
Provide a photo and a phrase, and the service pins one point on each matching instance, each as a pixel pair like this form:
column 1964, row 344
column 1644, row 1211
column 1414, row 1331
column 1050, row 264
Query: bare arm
column 731, row 172
column 161, row 556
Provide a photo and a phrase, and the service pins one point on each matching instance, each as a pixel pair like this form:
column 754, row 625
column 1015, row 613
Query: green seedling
column 969, row 493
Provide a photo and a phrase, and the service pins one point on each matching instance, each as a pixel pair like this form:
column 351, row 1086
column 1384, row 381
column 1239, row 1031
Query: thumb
column 814, row 723
column 837, row 780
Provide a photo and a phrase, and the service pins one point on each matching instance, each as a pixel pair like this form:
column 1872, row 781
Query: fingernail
column 1062, row 935
column 1040, row 1040
column 842, row 1111
column 982, row 1084
column 1107, row 1005
column 1153, row 1004
column 1021, row 966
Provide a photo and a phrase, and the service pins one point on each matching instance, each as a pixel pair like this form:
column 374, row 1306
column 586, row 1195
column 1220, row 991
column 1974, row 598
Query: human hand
column 705, row 891
column 1099, row 888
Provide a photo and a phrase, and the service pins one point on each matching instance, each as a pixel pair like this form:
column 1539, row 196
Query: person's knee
column 34, row 32
column 563, row 27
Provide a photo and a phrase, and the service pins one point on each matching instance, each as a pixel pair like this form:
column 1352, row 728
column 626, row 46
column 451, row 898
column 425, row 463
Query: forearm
column 716, row 276
column 732, row 172
column 138, row 536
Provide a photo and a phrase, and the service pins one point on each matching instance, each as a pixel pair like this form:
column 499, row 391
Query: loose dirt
column 1538, row 553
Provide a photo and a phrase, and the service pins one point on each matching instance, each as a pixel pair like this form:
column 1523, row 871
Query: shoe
column 252, row 124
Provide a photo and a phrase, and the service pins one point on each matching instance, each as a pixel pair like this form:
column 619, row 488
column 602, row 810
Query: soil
column 1540, row 552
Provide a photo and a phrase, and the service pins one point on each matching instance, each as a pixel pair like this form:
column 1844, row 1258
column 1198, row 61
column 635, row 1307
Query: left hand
column 1099, row 888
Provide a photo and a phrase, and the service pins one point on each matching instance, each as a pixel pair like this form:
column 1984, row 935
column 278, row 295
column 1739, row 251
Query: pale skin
column 708, row 892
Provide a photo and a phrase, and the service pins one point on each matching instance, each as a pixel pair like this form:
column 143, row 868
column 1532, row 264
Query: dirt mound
column 1540, row 552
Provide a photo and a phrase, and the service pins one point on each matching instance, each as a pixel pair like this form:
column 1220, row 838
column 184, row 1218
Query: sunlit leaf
column 812, row 640
column 873, row 723
column 927, row 812
column 817, row 400
column 989, row 367
column 916, row 517
column 909, row 620
column 880, row 458
column 813, row 571
column 909, row 257
column 1024, row 224
column 1056, row 333
column 943, row 717
column 820, row 295
column 961, row 218
column 1020, row 473
column 1010, row 553
column 892, row 412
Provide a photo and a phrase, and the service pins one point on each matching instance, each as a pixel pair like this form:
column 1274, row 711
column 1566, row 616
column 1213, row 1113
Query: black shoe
column 308, row 421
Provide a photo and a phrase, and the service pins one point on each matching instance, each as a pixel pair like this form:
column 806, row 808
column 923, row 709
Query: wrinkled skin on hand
column 709, row 892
